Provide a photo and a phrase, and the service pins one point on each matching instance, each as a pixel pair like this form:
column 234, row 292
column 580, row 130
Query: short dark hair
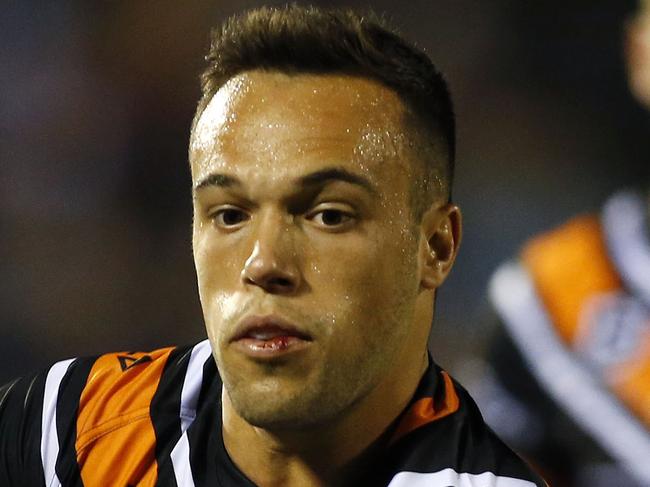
column 301, row 39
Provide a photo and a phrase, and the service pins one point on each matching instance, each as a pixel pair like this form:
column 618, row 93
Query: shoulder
column 58, row 417
column 452, row 445
column 86, row 390
column 113, row 390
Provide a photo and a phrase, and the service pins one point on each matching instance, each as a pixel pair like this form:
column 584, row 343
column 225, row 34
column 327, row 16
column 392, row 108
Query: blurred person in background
column 568, row 378
column 321, row 161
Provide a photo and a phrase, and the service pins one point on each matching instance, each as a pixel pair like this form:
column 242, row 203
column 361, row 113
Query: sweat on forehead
column 312, row 105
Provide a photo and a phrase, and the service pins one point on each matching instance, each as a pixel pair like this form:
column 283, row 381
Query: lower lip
column 271, row 348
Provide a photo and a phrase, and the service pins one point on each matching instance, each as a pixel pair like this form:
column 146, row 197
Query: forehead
column 266, row 118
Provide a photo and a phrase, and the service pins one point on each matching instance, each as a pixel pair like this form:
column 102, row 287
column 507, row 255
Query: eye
column 229, row 217
column 332, row 218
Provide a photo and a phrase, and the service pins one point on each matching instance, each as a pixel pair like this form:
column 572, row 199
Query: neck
column 334, row 452
column 326, row 454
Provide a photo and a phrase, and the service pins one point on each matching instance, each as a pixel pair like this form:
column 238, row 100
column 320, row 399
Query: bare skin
column 637, row 54
column 301, row 214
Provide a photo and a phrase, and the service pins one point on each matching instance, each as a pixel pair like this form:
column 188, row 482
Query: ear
column 441, row 233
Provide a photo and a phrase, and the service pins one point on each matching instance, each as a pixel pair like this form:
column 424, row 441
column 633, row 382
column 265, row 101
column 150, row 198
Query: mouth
column 266, row 337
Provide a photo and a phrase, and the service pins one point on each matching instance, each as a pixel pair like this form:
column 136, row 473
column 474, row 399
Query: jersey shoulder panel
column 76, row 422
column 455, row 447
column 119, row 390
column 119, row 415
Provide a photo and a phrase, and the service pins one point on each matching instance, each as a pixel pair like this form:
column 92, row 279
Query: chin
column 282, row 408
column 274, row 413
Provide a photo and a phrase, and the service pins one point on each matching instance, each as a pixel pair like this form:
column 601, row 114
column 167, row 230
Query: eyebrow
column 217, row 179
column 321, row 177
column 337, row 174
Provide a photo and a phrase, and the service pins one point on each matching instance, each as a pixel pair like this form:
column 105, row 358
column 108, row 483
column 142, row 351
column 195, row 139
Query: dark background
column 96, row 100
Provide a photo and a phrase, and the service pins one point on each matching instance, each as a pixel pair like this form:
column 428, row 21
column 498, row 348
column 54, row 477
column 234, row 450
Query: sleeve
column 21, row 406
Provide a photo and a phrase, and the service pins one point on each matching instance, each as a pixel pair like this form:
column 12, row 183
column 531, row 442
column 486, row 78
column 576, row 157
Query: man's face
column 304, row 244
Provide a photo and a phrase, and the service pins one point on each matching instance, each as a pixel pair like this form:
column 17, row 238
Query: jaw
column 326, row 447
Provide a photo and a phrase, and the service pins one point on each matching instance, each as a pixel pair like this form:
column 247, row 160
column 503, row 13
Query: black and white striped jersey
column 154, row 419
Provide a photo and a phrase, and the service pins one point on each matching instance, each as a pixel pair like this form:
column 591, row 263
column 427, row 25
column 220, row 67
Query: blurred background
column 96, row 100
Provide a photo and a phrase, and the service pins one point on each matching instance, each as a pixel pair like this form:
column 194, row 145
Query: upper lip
column 277, row 326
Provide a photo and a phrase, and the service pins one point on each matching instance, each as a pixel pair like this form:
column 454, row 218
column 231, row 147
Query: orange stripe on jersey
column 115, row 438
column 424, row 411
column 567, row 266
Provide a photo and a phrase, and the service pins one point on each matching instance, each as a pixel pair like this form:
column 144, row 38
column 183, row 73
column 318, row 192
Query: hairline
column 413, row 124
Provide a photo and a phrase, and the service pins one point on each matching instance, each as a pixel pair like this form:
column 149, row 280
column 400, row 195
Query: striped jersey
column 154, row 419
column 571, row 353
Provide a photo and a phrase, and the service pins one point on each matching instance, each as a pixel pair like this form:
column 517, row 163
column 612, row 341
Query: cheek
column 335, row 264
column 363, row 275
column 218, row 270
column 218, row 265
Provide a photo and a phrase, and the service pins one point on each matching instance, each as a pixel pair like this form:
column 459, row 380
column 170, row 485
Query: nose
column 272, row 263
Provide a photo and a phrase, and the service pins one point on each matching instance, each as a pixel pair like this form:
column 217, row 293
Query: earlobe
column 441, row 232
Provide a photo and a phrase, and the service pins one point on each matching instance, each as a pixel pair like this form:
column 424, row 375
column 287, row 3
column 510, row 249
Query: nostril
column 271, row 279
column 280, row 282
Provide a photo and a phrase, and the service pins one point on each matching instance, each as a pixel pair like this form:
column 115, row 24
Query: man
column 321, row 156
column 570, row 359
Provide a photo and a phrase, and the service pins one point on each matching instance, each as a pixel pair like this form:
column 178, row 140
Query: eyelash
column 222, row 211
column 347, row 217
